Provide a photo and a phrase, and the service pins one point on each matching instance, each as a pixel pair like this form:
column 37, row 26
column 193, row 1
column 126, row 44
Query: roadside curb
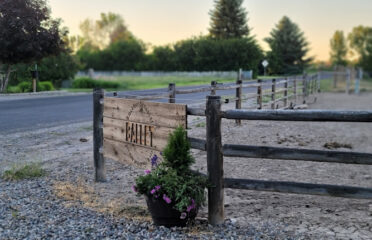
column 19, row 96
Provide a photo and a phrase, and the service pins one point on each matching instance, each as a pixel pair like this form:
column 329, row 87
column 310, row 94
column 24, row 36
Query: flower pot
column 164, row 214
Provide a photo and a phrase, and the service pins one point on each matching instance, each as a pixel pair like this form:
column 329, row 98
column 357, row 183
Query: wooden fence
column 216, row 151
column 269, row 93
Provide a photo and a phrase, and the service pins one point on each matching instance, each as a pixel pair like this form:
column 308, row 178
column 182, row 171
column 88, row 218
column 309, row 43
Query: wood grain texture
column 143, row 135
column 151, row 113
column 300, row 188
column 295, row 154
column 135, row 130
column 128, row 153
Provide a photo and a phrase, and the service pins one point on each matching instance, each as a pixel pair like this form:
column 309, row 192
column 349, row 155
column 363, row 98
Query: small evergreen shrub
column 172, row 180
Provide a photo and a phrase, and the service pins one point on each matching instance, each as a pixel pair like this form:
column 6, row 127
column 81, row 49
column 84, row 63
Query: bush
column 13, row 89
column 25, row 87
column 91, row 83
column 45, row 86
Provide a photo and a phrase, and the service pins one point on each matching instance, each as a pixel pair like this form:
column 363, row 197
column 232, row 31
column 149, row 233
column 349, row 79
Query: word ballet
column 137, row 133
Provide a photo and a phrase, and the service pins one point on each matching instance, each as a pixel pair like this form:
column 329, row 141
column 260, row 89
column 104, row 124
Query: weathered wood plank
column 300, row 188
column 128, row 153
column 230, row 150
column 196, row 111
column 195, row 90
column 152, row 113
column 300, row 115
column 135, row 133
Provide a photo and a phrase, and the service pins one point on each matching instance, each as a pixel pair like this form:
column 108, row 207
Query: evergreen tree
column 228, row 20
column 288, row 48
column 338, row 49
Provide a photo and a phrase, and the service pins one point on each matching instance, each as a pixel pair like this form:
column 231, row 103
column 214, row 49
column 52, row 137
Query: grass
column 150, row 82
column 26, row 171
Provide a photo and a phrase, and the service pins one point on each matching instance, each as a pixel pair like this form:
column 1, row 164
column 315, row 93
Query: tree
column 288, row 48
column 105, row 31
column 361, row 43
column 359, row 39
column 338, row 49
column 228, row 20
column 27, row 33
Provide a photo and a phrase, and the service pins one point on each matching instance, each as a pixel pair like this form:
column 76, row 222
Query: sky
column 160, row 22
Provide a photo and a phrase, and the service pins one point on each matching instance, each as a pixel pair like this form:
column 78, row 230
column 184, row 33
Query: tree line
column 355, row 49
column 107, row 44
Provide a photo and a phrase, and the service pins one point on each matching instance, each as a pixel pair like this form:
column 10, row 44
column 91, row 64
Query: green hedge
column 24, row 87
column 92, row 83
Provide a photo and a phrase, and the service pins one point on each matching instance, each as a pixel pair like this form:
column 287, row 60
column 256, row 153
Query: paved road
column 36, row 112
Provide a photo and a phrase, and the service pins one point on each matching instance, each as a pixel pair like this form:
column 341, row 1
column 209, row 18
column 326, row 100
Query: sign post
column 265, row 63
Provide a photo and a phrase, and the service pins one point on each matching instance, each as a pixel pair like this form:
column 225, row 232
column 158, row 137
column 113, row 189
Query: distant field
column 140, row 83
column 326, row 85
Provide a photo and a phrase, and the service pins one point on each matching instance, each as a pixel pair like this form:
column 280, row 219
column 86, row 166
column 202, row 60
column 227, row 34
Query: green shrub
column 25, row 86
column 27, row 171
column 13, row 89
column 45, row 86
column 91, row 83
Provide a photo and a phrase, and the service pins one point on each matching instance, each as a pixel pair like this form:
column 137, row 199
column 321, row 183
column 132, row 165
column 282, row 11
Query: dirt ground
column 66, row 152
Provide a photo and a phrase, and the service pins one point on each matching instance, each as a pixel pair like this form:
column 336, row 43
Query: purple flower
column 134, row 188
column 183, row 215
column 153, row 191
column 166, row 199
column 147, row 172
column 157, row 187
column 192, row 206
column 154, row 160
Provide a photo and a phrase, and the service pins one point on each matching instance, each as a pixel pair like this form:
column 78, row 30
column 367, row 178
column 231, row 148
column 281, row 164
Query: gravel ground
column 68, row 204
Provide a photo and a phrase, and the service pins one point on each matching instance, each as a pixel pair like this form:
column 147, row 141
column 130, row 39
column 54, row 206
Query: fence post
column 286, row 92
column 238, row 101
column 172, row 93
column 335, row 77
column 295, row 89
column 213, row 88
column 358, row 79
column 259, row 94
column 273, row 90
column 99, row 160
column 304, row 88
column 348, row 79
column 318, row 82
column 215, row 161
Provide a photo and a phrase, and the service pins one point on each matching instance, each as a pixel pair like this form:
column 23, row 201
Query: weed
column 202, row 124
column 27, row 171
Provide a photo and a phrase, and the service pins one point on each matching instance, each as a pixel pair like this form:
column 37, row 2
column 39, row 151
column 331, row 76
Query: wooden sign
column 135, row 130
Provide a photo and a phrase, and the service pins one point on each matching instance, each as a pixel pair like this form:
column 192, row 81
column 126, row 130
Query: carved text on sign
column 137, row 133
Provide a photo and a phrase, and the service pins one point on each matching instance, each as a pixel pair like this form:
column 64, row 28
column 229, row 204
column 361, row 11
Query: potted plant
column 173, row 192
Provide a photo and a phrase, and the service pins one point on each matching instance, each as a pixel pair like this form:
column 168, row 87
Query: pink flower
column 134, row 188
column 166, row 199
column 147, row 172
column 183, row 215
column 153, row 191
